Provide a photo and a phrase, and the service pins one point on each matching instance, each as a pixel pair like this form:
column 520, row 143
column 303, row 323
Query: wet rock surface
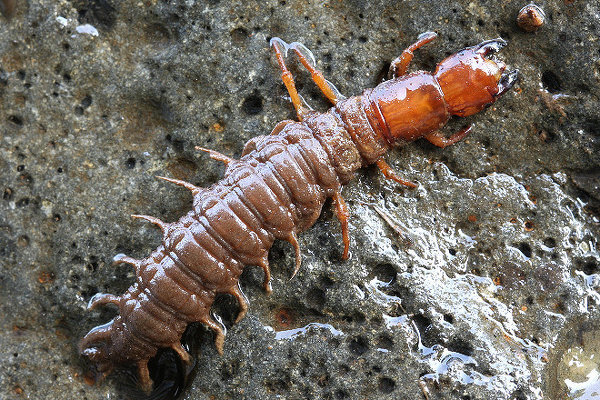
column 480, row 283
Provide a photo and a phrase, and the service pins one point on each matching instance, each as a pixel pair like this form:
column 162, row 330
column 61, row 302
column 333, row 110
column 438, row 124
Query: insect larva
column 277, row 189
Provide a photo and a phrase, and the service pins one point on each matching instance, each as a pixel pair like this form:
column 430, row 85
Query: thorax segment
column 408, row 107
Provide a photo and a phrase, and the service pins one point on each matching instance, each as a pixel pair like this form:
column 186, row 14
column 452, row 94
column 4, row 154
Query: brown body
column 531, row 18
column 277, row 190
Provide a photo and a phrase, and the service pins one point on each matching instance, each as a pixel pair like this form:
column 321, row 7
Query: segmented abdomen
column 275, row 191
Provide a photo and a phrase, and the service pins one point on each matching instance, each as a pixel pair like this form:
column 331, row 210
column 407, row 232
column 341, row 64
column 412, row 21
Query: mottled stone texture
column 498, row 258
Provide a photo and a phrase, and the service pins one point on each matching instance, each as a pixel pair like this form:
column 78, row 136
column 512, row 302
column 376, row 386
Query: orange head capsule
column 471, row 81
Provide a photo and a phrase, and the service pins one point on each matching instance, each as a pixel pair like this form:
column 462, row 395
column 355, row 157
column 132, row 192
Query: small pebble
column 531, row 18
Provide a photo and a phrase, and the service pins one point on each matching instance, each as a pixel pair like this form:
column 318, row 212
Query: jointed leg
column 182, row 352
column 437, row 138
column 280, row 48
column 293, row 240
column 144, row 376
column 242, row 300
column 341, row 210
column 389, row 173
column 308, row 60
column 400, row 64
column 219, row 332
column 264, row 264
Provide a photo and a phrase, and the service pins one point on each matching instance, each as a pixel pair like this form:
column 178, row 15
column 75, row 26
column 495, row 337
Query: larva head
column 471, row 81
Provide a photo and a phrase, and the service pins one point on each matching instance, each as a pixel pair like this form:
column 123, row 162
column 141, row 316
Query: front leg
column 308, row 60
column 437, row 138
column 400, row 64
column 280, row 48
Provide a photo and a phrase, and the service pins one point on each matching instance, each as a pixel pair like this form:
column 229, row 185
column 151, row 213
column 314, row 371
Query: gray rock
column 484, row 293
